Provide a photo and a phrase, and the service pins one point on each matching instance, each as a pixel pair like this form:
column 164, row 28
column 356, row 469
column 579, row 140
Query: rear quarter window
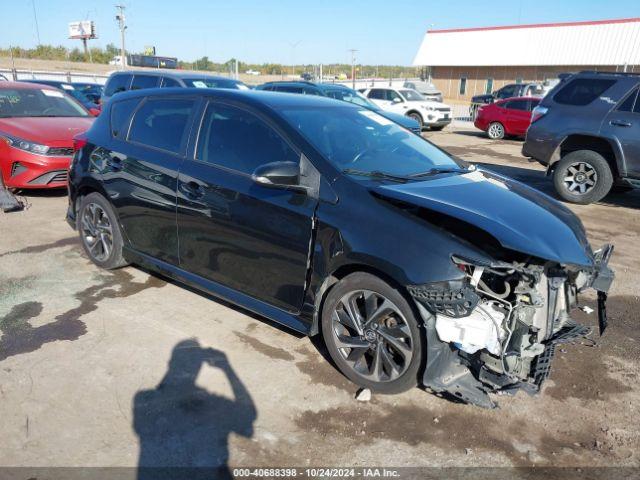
column 582, row 91
column 121, row 116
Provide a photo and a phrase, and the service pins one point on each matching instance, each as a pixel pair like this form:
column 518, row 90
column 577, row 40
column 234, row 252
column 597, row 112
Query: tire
column 417, row 117
column 393, row 338
column 583, row 177
column 99, row 232
column 495, row 131
column 437, row 129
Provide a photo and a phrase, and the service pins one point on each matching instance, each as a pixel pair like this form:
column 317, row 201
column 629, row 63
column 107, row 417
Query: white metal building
column 467, row 61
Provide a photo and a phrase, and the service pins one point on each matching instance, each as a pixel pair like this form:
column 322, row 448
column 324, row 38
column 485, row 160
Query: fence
column 18, row 75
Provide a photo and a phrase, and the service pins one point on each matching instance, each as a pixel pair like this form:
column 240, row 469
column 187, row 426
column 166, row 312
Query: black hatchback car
column 331, row 219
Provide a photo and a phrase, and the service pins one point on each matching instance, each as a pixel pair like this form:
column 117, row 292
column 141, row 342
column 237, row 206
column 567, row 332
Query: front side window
column 117, row 84
column 507, row 91
column 162, row 123
column 350, row 96
column 144, row 81
column 238, row 140
column 582, row 91
column 38, row 102
column 289, row 89
column 227, row 83
column 352, row 138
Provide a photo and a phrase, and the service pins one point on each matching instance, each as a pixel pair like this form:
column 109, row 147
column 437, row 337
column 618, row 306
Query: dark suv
column 508, row 91
column 139, row 79
column 329, row 218
column 587, row 132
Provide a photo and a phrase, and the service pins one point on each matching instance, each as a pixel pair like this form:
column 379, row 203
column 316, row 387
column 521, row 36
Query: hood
column 401, row 120
column 45, row 130
column 519, row 217
column 431, row 103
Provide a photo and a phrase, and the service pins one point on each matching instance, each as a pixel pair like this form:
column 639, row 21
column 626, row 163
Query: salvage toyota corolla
column 415, row 267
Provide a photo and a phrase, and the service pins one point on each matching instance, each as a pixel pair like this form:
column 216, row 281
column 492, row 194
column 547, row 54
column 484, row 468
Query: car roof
column 174, row 74
column 502, row 100
column 26, row 86
column 275, row 100
column 292, row 82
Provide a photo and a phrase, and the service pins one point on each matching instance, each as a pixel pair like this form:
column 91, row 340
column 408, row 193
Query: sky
column 385, row 32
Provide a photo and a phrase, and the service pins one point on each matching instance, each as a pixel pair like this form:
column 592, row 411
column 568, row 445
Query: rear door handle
column 192, row 189
column 620, row 123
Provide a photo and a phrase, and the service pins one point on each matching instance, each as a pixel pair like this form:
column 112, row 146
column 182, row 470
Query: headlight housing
column 25, row 145
column 428, row 107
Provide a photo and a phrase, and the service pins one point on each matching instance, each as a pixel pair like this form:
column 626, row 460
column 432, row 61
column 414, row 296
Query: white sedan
column 406, row 101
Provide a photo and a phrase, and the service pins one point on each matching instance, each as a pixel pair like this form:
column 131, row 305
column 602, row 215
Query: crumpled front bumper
column 537, row 321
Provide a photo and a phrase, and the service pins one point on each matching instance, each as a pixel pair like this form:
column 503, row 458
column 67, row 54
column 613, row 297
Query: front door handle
column 620, row 123
column 192, row 190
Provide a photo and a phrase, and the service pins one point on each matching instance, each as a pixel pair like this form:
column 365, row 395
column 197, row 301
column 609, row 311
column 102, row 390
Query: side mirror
column 397, row 100
column 278, row 175
column 94, row 111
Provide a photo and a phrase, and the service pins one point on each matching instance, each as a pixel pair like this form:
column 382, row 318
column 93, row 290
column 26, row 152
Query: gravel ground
column 95, row 365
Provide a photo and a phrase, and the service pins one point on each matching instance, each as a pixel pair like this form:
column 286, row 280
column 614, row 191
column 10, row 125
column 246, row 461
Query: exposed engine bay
column 496, row 329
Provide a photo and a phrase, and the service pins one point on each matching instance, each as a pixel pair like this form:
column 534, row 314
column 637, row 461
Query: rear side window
column 582, row 91
column 629, row 102
column 517, row 105
column 169, row 82
column 162, row 123
column 144, row 81
column 239, row 140
column 377, row 94
column 117, row 83
column 289, row 89
column 121, row 116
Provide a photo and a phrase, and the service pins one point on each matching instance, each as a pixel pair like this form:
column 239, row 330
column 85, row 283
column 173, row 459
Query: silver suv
column 587, row 132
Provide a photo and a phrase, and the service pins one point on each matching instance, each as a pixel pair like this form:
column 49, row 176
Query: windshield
column 412, row 95
column 358, row 139
column 351, row 96
column 215, row 83
column 38, row 103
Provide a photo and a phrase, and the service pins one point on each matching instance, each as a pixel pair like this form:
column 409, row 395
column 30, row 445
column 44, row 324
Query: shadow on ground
column 184, row 429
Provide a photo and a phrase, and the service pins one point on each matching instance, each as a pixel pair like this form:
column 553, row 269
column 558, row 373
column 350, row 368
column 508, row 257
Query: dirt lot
column 94, row 365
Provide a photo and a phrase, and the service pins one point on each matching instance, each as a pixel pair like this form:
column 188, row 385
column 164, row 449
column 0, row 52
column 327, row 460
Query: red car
column 37, row 126
column 511, row 116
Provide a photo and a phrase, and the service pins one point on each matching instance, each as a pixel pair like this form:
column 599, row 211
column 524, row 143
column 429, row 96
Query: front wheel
column 372, row 334
column 417, row 117
column 583, row 177
column 99, row 232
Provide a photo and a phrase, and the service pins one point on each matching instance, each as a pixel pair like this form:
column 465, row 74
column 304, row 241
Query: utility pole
column 35, row 18
column 353, row 67
column 121, row 25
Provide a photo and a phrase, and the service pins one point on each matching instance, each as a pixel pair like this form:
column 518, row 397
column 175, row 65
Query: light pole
column 353, row 67
column 35, row 18
column 121, row 25
column 293, row 46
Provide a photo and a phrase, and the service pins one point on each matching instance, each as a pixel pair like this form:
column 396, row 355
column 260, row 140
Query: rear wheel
column 417, row 117
column 99, row 232
column 583, row 177
column 372, row 334
column 495, row 131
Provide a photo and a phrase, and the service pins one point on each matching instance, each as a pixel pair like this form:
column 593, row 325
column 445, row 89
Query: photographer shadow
column 184, row 429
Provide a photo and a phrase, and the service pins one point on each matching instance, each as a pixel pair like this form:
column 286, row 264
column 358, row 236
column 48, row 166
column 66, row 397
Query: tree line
column 104, row 55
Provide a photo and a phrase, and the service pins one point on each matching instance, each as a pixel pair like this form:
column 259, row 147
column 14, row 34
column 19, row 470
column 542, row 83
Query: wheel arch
column 605, row 147
column 340, row 272
column 416, row 112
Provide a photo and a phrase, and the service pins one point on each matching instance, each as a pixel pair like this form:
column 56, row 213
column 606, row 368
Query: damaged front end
column 495, row 330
